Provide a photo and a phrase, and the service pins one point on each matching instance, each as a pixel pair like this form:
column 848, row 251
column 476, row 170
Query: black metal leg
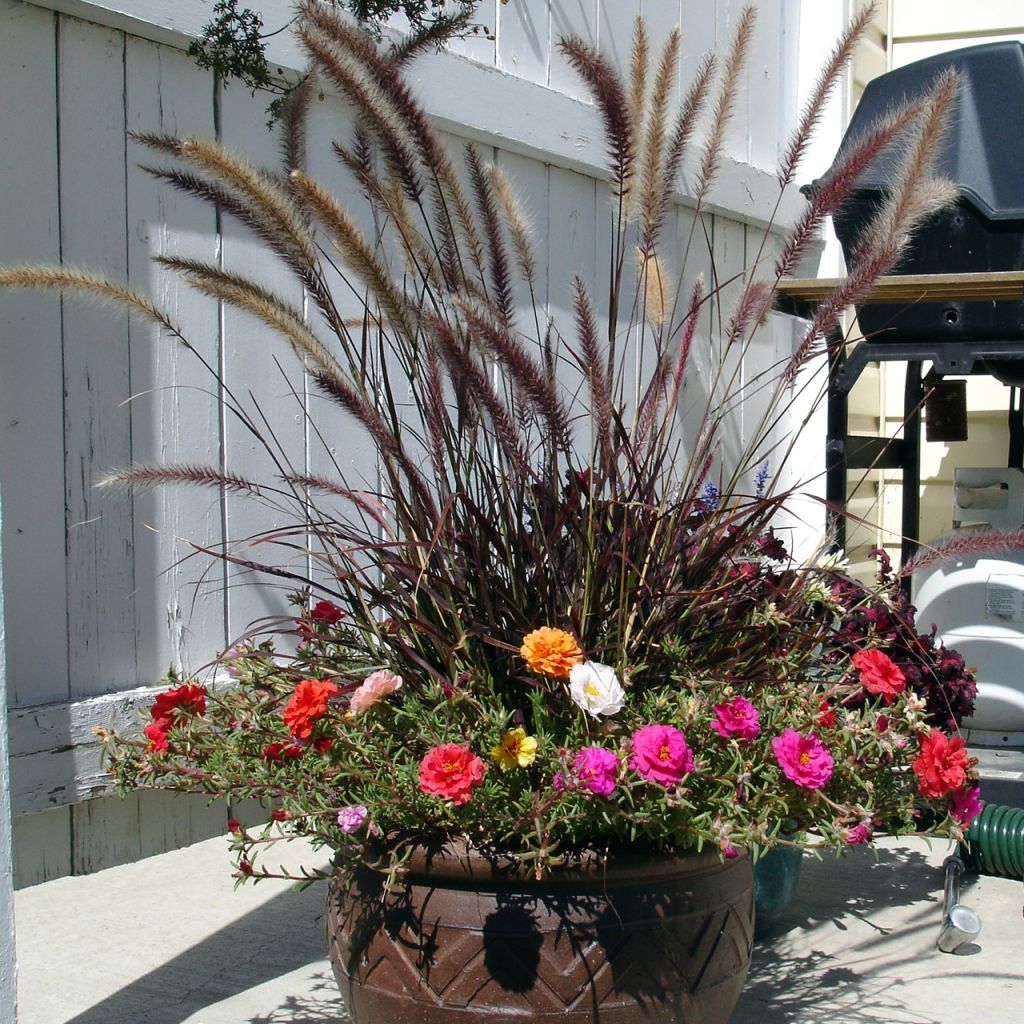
column 912, row 396
column 835, row 444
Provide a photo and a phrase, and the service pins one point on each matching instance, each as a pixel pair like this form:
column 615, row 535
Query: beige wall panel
column 904, row 53
column 954, row 17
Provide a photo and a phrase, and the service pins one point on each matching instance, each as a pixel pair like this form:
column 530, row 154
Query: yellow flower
column 551, row 652
column 515, row 748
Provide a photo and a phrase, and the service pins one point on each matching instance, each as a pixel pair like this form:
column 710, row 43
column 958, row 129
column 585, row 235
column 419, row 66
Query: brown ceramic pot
column 652, row 937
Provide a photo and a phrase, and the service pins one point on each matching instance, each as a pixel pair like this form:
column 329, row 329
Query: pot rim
column 458, row 862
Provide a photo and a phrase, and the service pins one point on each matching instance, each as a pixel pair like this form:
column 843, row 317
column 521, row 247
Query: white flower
column 595, row 689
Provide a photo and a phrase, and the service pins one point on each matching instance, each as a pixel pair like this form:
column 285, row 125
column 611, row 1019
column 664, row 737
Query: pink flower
column 351, row 819
column 858, row 835
column 597, row 769
column 804, row 759
column 737, row 718
column 879, row 674
column 965, row 806
column 375, row 687
column 660, row 754
column 942, row 764
column 451, row 771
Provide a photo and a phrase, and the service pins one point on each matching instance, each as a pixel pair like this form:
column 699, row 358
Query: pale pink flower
column 352, row 819
column 805, row 760
column 375, row 687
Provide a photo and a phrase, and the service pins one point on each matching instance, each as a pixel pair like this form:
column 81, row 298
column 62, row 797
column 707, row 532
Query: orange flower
column 308, row 703
column 551, row 652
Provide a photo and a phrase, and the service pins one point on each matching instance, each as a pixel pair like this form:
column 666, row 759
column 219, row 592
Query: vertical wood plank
column 763, row 99
column 97, row 417
column 573, row 215
column 31, row 381
column 570, row 18
column 266, row 378
column 728, row 259
column 694, row 262
column 524, row 34
column 481, row 44
column 41, row 846
column 175, row 416
column 616, row 22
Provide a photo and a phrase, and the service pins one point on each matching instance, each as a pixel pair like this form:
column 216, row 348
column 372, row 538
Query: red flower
column 280, row 751
column 942, row 764
column 308, row 703
column 156, row 733
column 179, row 703
column 451, row 771
column 323, row 744
column 234, row 826
column 327, row 613
column 279, row 815
column 827, row 718
column 879, row 674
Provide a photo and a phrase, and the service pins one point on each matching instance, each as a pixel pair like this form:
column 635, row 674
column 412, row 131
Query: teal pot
column 463, row 937
column 776, row 875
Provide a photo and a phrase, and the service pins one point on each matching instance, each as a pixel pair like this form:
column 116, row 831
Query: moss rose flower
column 351, row 819
column 660, row 754
column 326, row 612
column 805, row 760
column 551, row 652
column 516, row 750
column 941, row 766
column 179, row 703
column 595, row 688
column 597, row 769
column 375, row 687
column 451, row 771
column 308, row 702
column 737, row 718
column 879, row 674
column 966, row 805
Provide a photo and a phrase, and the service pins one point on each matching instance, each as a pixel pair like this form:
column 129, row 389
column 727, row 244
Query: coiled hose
column 994, row 844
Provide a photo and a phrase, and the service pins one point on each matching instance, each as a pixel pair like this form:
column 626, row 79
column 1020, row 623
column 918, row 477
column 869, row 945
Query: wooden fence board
column 97, row 362
column 31, row 384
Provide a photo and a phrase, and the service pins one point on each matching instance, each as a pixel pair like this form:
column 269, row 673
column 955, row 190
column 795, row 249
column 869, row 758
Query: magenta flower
column 805, row 760
column 965, row 806
column 597, row 769
column 737, row 718
column 351, row 819
column 858, row 835
column 660, row 754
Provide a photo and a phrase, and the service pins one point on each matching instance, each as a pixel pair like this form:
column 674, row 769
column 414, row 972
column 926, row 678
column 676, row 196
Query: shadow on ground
column 281, row 936
column 793, row 980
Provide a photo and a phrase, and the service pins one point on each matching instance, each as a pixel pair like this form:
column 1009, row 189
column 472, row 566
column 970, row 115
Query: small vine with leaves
column 233, row 44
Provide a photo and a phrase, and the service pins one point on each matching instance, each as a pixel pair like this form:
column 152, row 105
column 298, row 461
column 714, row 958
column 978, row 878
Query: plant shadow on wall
column 565, row 623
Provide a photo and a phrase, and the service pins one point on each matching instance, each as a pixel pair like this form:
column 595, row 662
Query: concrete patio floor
column 169, row 941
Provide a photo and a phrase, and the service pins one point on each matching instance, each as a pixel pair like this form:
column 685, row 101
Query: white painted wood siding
column 100, row 596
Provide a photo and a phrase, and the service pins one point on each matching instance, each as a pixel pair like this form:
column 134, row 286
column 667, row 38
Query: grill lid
column 983, row 151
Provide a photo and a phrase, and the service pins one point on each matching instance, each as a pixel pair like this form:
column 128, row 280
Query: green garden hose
column 994, row 844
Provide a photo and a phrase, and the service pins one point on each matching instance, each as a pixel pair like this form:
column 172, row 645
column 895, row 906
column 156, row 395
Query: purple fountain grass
column 532, row 469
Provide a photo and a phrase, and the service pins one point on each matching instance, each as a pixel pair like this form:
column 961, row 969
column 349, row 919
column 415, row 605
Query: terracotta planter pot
column 648, row 937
